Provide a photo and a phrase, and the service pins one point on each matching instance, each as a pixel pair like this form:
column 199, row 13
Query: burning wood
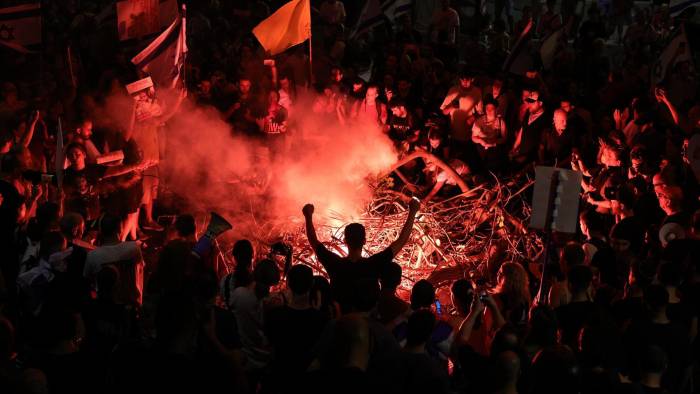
column 463, row 236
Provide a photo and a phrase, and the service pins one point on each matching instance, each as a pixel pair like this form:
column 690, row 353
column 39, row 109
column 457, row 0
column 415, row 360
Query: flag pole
column 184, row 61
column 311, row 53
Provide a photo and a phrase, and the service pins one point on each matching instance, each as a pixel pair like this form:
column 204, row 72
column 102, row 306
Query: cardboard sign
column 563, row 202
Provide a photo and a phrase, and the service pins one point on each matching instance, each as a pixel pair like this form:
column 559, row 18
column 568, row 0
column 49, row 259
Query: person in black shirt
column 559, row 142
column 345, row 272
column 293, row 329
column 413, row 370
column 529, row 137
column 575, row 315
column 81, row 180
column 243, row 112
column 659, row 330
column 400, row 123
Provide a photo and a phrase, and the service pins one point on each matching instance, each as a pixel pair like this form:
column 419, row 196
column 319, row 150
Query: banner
column 519, row 60
column 371, row 16
column 675, row 7
column 393, row 9
column 550, row 47
column 376, row 12
column 675, row 52
column 21, row 25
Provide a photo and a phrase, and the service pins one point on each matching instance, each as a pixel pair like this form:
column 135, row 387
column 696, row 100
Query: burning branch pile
column 464, row 236
column 467, row 235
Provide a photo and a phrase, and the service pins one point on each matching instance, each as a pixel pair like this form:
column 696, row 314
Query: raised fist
column 308, row 210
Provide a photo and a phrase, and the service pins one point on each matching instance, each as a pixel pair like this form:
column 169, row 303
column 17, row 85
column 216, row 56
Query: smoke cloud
column 215, row 169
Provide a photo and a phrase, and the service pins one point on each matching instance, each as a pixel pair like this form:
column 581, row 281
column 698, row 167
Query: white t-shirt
column 249, row 317
column 127, row 258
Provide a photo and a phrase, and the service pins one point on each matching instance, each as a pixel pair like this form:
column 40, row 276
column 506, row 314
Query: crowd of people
column 86, row 306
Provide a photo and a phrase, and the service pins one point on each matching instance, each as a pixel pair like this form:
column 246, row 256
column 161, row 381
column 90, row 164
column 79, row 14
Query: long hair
column 514, row 288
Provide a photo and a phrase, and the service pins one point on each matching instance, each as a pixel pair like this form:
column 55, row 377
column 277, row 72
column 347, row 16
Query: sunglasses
column 530, row 100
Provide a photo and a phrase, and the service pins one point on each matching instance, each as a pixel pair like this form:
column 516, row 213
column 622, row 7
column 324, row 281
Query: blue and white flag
column 676, row 51
column 675, row 7
column 164, row 58
column 376, row 12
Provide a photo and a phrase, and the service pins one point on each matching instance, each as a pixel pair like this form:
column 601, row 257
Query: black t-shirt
column 557, row 147
column 65, row 373
column 293, row 334
column 671, row 337
column 9, row 210
column 348, row 380
column 628, row 309
column 573, row 317
column 412, row 373
column 238, row 118
column 11, row 201
column 532, row 135
column 399, row 127
column 681, row 313
column 81, row 189
column 344, row 274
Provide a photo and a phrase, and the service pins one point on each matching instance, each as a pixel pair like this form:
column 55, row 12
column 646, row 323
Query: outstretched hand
column 308, row 210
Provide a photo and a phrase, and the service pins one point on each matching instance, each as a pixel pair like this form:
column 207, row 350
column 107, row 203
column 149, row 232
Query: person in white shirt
column 125, row 256
column 33, row 284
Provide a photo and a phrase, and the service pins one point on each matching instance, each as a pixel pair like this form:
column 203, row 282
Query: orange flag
column 288, row 26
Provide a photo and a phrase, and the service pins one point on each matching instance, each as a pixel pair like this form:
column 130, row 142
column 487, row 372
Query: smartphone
column 438, row 308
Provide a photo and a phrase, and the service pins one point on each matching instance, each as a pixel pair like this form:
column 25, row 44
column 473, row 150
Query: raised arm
column 465, row 329
column 397, row 245
column 661, row 97
column 125, row 169
column 273, row 71
column 29, row 134
column 308, row 211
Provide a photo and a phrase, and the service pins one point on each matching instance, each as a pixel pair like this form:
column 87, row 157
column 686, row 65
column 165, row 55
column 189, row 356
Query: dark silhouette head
column 420, row 328
column 422, row 295
column 300, row 279
column 355, row 236
column 390, row 277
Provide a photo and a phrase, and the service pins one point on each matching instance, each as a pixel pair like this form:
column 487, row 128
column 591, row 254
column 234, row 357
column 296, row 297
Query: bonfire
column 465, row 236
